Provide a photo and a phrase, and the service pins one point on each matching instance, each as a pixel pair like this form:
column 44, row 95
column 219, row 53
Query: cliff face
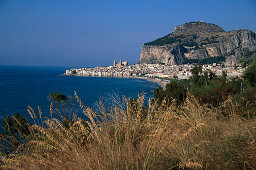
column 197, row 41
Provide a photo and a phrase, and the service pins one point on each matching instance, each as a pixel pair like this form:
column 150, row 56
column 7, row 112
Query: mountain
column 199, row 42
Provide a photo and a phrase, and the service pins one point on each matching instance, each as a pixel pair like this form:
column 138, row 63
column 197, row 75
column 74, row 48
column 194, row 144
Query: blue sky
column 95, row 32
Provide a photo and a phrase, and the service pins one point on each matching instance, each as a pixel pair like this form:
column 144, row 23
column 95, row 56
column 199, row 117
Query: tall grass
column 128, row 137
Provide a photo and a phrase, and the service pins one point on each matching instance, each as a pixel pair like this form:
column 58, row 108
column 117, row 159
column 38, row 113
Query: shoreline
column 158, row 81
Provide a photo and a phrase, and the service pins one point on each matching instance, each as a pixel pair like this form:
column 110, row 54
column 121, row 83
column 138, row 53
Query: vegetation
column 213, row 90
column 249, row 74
column 168, row 39
column 210, row 40
column 206, row 122
column 169, row 94
column 16, row 131
column 170, row 136
column 210, row 60
column 57, row 97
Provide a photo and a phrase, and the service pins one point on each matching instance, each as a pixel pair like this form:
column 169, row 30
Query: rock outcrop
column 199, row 41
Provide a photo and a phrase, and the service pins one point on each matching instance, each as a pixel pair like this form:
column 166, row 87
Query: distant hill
column 199, row 42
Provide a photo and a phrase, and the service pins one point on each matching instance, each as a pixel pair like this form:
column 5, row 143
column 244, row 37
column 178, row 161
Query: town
column 154, row 72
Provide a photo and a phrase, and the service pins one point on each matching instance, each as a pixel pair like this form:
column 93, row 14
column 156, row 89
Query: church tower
column 120, row 63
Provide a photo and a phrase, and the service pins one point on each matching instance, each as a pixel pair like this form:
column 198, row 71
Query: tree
column 244, row 62
column 249, row 74
column 195, row 78
column 61, row 106
column 212, row 75
column 175, row 90
column 159, row 94
column 57, row 97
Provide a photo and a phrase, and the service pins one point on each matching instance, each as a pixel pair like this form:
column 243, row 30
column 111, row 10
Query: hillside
column 196, row 41
column 205, row 122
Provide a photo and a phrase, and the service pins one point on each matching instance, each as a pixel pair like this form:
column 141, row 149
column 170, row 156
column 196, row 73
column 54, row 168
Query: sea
column 23, row 86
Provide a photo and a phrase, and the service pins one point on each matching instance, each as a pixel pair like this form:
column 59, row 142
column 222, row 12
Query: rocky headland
column 199, row 42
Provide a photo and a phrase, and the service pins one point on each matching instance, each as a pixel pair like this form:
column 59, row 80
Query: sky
column 88, row 33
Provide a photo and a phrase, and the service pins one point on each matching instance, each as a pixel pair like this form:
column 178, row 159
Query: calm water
column 21, row 86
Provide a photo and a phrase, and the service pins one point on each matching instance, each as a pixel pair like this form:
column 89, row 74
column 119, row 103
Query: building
column 119, row 64
column 125, row 63
column 114, row 64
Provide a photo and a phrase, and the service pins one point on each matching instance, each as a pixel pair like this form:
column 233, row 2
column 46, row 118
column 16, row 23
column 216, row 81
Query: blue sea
column 22, row 86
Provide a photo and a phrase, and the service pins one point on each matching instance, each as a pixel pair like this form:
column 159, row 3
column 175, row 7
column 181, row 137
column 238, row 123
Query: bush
column 250, row 73
column 175, row 90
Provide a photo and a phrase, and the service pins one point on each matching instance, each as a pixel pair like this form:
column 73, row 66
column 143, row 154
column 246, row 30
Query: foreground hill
column 205, row 122
column 199, row 41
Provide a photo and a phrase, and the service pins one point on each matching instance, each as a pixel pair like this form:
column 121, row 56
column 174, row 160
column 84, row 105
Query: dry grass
column 190, row 136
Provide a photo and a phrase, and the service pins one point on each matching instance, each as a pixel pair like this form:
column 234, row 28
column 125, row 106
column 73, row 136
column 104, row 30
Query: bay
column 22, row 86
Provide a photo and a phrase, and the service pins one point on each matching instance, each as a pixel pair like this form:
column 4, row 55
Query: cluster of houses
column 122, row 69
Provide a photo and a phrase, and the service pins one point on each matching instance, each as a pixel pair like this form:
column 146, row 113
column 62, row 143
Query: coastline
column 158, row 81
